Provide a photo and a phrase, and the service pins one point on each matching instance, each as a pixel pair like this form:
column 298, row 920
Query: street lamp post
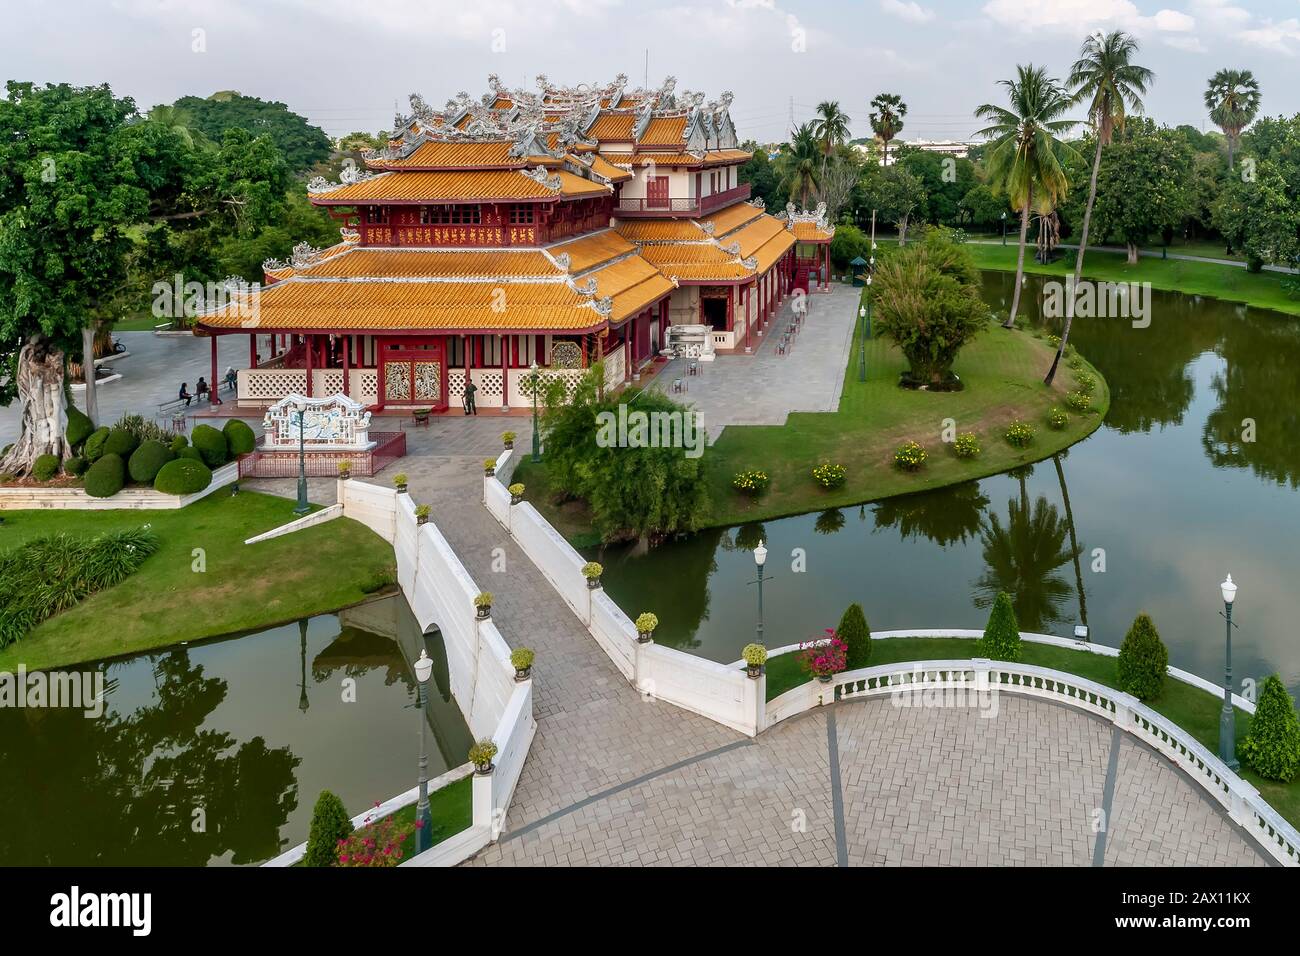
column 1227, row 722
column 1004, row 228
column 537, row 436
column 423, row 838
column 862, row 344
column 760, row 558
column 302, row 507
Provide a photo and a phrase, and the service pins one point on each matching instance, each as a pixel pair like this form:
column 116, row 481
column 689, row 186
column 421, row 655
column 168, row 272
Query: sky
column 346, row 65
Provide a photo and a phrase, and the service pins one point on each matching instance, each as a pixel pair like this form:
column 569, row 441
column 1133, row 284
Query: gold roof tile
column 457, row 186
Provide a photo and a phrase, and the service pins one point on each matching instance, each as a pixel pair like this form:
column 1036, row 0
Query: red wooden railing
column 660, row 205
column 389, row 447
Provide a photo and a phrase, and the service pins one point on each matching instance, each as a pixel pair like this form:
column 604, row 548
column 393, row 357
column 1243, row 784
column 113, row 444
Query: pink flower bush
column 375, row 843
column 823, row 659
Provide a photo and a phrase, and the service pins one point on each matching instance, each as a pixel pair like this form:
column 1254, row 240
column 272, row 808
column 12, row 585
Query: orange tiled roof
column 770, row 251
column 429, row 263
column 808, row 232
column 444, row 154
column 733, row 217
column 658, row 230
column 715, row 157
column 592, row 250
column 462, row 186
column 612, row 125
column 602, row 167
column 683, row 249
column 667, row 130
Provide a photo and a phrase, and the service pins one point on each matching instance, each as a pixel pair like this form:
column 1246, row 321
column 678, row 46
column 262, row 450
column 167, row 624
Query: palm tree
column 887, row 112
column 1106, row 77
column 1232, row 98
column 1024, row 157
column 831, row 126
column 1074, row 541
column 801, row 164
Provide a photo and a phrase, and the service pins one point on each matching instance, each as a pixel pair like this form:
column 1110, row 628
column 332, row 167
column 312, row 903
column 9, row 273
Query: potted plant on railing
column 483, row 605
column 824, row 658
column 645, row 627
column 421, row 514
column 489, row 467
column 755, row 656
column 592, row 572
column 399, row 480
column 516, row 493
column 481, row 754
column 522, row 659
column 345, row 470
column 508, row 439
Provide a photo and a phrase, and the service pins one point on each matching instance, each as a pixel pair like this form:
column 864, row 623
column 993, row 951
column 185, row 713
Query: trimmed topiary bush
column 76, row 466
column 1143, row 660
column 183, row 476
column 121, row 442
column 80, row 427
column 45, row 467
column 240, row 439
column 94, row 447
column 147, row 460
column 1272, row 747
column 1001, row 640
column 853, row 631
column 106, row 477
column 329, row 825
column 211, row 445
column 190, row 452
column 178, row 442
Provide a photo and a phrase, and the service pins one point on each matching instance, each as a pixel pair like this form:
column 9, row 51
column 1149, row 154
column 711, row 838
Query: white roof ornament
column 543, row 176
column 563, row 262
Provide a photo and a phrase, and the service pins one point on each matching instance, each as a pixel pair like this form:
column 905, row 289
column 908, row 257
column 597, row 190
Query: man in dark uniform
column 470, row 408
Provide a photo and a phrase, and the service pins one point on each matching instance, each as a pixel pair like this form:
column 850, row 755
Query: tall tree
column 1024, row 158
column 1106, row 77
column 831, row 126
column 1232, row 97
column 800, row 164
column 887, row 112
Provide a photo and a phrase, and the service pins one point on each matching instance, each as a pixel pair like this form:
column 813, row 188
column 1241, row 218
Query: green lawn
column 1189, row 707
column 1262, row 290
column 314, row 571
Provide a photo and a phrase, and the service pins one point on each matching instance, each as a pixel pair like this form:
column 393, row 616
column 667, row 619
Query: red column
column 731, row 309
column 744, row 310
column 252, row 350
column 309, row 347
column 505, row 372
column 347, row 365
column 213, row 384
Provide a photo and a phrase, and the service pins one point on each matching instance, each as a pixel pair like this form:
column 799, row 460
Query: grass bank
column 240, row 587
column 1189, row 707
column 1262, row 290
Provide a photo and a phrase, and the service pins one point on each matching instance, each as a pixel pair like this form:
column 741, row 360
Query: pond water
column 1166, row 492
column 215, row 752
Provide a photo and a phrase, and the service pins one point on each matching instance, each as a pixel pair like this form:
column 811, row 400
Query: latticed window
column 460, row 215
column 521, row 214
column 376, row 214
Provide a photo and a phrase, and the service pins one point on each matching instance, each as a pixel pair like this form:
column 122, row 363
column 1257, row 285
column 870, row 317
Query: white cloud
column 1282, row 37
column 907, row 10
column 1082, row 15
column 1187, row 44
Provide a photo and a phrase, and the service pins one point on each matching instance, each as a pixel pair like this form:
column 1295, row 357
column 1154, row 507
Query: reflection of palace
column 557, row 227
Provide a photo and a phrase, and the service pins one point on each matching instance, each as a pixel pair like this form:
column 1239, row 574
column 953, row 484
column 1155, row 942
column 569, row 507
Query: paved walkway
column 765, row 387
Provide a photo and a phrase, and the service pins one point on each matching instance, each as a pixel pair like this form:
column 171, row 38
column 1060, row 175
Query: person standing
column 470, row 407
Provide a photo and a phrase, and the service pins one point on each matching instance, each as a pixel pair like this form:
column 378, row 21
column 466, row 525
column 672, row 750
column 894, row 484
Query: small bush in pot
column 399, row 481
column 592, row 571
column 489, row 467
column 521, row 658
column 508, row 439
column 754, row 656
column 421, row 514
column 825, row 658
column 345, row 469
column 516, row 493
column 481, row 754
column 483, row 605
column 645, row 626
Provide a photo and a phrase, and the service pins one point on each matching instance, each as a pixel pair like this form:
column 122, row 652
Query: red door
column 656, row 193
column 413, row 372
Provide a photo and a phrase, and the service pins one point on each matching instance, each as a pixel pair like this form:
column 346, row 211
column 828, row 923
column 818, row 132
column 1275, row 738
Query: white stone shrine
column 336, row 423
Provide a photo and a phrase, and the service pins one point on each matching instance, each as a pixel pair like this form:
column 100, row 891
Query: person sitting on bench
column 231, row 378
column 201, row 390
column 184, row 394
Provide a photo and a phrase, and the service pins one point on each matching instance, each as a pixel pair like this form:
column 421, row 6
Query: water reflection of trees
column 949, row 516
column 829, row 521
column 1258, row 382
column 124, row 789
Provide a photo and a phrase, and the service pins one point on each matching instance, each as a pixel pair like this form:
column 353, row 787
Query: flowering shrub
column 376, row 843
column 1057, row 419
column 508, row 438
column 483, row 599
column 646, row 623
column 592, row 570
column 1079, row 401
column 1085, row 382
column 829, row 475
column 481, row 754
column 516, row 490
column 521, row 658
column 910, row 456
column 966, row 446
column 399, row 479
column 822, row 659
column 1077, row 363
column 755, row 655
column 750, row 482
column 1019, row 433
column 1054, row 341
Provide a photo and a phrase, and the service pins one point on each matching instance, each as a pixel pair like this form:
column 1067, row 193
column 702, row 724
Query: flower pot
column 344, row 475
column 644, row 637
column 484, row 612
column 755, row 671
column 401, row 489
column 516, row 499
column 523, row 674
column 483, row 769
column 489, row 472
column 824, row 678
column 593, row 583
column 509, row 445
column 421, row 519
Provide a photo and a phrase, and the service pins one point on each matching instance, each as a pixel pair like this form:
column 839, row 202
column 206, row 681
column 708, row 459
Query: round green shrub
column 106, row 476
column 966, row 445
column 853, row 631
column 1143, row 660
column 76, row 466
column 178, row 442
column 211, row 445
column 80, row 427
column 147, row 460
column 1001, row 640
column 1057, row 419
column 329, row 825
column 94, row 448
column 183, row 476
column 1019, row 434
column 189, row 452
column 240, row 439
column 45, row 467
column 121, row 442
column 1273, row 744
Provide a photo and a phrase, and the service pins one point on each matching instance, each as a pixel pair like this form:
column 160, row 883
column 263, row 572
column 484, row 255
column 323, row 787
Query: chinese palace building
column 558, row 227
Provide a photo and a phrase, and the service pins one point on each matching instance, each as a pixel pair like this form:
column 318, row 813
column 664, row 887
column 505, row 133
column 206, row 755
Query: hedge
column 1143, row 660
column 178, row 442
column 190, row 452
column 240, row 439
column 121, row 443
column 183, row 476
column 94, row 447
column 211, row 445
column 853, row 631
column 106, row 476
column 147, row 460
column 80, row 427
column 76, row 466
column 45, row 467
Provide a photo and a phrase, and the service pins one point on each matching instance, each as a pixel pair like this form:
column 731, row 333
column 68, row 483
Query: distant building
column 948, row 147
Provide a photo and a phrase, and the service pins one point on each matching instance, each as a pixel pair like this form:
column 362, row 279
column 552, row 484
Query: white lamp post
column 1227, row 722
column 302, row 507
column 760, row 558
column 423, row 838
